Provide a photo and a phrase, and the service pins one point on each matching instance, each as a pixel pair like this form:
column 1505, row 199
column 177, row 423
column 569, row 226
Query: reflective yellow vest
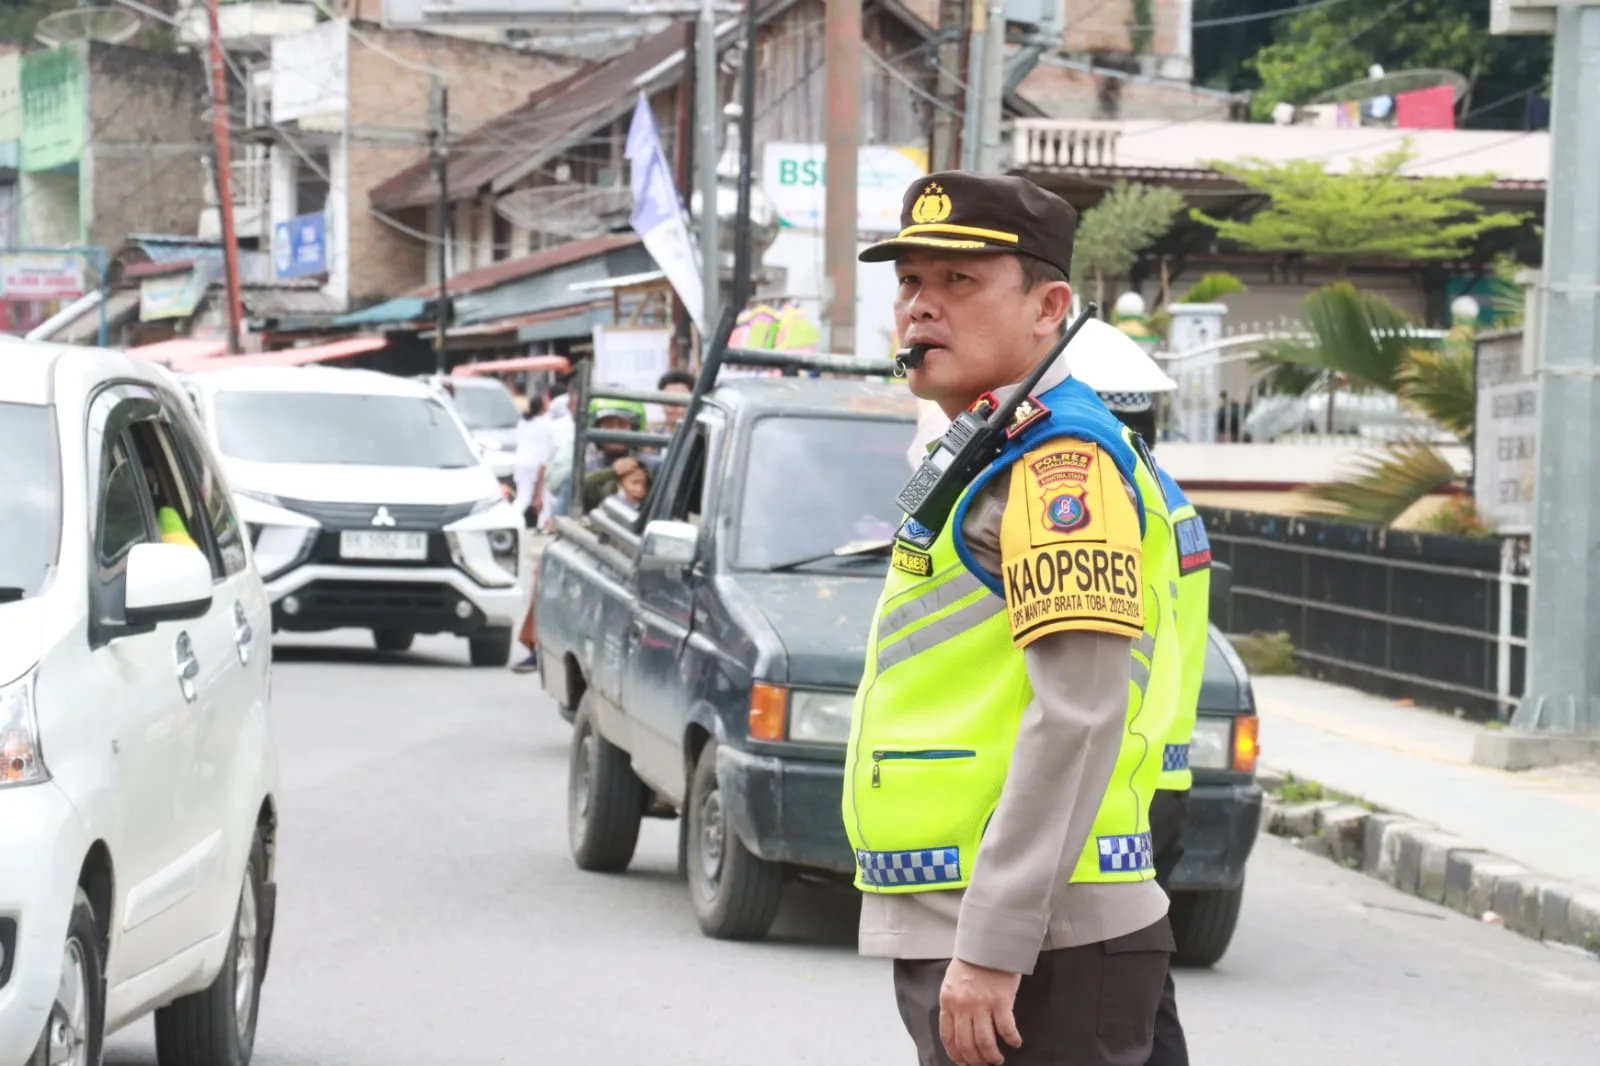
column 1193, row 562
column 173, row 530
column 945, row 686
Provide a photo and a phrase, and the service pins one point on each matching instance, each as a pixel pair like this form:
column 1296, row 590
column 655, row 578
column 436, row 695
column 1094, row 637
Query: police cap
column 957, row 211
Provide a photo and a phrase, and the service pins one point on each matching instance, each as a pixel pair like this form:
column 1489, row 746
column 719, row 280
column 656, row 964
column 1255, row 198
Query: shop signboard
column 53, row 108
column 300, row 246
column 794, row 178
column 41, row 276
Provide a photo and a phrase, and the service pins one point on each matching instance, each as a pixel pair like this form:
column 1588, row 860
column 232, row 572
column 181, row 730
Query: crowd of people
column 544, row 462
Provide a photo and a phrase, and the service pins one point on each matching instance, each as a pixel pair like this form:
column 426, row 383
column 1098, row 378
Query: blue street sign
column 300, row 246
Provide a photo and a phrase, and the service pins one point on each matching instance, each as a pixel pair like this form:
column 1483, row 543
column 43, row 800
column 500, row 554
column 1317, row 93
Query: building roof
column 513, row 269
column 1166, row 150
column 563, row 111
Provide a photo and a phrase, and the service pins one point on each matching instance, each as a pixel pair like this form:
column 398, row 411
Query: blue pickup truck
column 707, row 652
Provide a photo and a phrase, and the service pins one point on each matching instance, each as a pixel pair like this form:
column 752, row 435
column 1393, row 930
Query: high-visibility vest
column 1193, row 562
column 173, row 531
column 945, row 686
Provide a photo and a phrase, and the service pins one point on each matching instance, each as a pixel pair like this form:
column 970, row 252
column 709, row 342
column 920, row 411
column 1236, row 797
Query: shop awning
column 316, row 353
column 179, row 350
column 400, row 309
column 559, row 364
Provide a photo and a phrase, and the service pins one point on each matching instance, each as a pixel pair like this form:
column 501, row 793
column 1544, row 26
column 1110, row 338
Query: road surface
column 430, row 916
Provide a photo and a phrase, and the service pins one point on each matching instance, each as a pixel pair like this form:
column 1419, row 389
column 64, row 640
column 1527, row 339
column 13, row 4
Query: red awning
column 179, row 351
column 317, row 353
column 556, row 363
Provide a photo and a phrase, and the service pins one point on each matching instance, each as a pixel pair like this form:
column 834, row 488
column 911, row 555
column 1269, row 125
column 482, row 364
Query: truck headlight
column 1211, row 747
column 21, row 762
column 820, row 717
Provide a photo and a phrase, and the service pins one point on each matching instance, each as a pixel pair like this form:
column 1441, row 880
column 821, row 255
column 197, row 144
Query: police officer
column 1020, row 676
column 1169, row 813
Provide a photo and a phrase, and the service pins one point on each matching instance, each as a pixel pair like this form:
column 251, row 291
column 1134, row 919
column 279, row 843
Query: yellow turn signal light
column 769, row 711
column 1246, row 743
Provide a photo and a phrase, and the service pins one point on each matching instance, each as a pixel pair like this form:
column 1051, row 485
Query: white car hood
column 330, row 483
column 21, row 637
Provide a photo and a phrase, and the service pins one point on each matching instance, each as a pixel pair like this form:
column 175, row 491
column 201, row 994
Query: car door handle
column 188, row 667
column 242, row 633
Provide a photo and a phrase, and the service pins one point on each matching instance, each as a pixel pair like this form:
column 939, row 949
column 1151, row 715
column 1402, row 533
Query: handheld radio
column 973, row 440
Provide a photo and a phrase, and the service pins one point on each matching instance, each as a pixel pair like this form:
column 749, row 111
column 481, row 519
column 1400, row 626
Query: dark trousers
column 1169, row 812
column 1085, row 1006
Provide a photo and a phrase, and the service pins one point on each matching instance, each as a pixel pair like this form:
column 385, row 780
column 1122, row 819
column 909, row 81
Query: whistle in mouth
column 911, row 358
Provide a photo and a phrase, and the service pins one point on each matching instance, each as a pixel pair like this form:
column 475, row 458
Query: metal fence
column 1441, row 620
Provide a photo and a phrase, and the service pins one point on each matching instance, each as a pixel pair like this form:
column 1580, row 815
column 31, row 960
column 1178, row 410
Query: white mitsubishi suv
column 138, row 818
column 369, row 505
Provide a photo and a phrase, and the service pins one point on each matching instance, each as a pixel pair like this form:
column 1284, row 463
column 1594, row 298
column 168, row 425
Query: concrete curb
column 1425, row 861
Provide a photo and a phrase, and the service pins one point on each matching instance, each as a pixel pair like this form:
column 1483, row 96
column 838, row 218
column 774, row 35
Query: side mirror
column 166, row 583
column 668, row 545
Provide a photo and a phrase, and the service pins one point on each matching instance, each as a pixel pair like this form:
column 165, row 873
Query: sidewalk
column 1419, row 763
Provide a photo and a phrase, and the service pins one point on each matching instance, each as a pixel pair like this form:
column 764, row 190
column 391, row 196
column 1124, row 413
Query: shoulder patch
column 911, row 561
column 1070, row 545
column 1194, row 547
column 1028, row 412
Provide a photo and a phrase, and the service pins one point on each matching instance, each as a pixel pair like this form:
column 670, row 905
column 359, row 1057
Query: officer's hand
column 974, row 1004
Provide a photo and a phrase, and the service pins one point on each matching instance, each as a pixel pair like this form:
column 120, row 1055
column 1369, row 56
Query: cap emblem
column 932, row 206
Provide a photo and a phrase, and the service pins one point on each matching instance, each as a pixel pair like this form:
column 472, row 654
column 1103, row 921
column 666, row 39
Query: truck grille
column 412, row 516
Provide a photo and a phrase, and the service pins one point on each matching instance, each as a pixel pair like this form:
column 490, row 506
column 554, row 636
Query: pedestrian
column 1006, row 737
column 536, row 445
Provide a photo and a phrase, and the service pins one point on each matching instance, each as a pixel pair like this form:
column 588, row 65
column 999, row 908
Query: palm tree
column 1365, row 342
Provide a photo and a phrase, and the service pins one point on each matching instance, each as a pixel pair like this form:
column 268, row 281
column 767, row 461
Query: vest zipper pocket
column 925, row 754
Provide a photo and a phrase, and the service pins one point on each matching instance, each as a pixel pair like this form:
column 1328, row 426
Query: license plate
column 391, row 546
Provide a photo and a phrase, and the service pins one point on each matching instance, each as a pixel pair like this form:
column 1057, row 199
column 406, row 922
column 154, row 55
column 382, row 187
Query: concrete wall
column 1065, row 92
column 389, row 89
column 148, row 130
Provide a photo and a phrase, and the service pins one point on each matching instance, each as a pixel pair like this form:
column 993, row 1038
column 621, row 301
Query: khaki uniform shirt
column 1019, row 901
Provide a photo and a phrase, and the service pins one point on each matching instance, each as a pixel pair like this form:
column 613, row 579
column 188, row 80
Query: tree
column 1112, row 233
column 1335, row 44
column 1372, row 210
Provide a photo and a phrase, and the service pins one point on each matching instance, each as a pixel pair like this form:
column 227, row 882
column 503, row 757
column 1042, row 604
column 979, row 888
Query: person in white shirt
column 535, row 446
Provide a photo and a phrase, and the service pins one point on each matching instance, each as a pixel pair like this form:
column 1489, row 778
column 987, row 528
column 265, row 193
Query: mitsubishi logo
column 382, row 517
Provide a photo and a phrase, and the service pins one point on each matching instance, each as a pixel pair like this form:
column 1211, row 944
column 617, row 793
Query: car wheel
column 217, row 1026
column 72, row 1034
column 392, row 639
column 492, row 647
column 1203, row 925
column 605, row 798
column 735, row 894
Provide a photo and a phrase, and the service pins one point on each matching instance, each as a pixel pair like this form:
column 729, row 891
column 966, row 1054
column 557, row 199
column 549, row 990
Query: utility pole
column 438, row 153
column 705, row 108
column 994, row 73
column 944, row 146
column 682, row 162
column 743, row 268
column 1558, row 719
column 842, row 122
column 222, row 151
column 972, row 132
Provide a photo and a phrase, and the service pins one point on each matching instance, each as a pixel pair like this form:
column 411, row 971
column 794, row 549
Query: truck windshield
column 30, row 499
column 814, row 483
column 342, row 428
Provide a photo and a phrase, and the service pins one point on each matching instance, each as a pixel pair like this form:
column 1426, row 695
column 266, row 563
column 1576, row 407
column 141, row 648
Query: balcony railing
column 1055, row 143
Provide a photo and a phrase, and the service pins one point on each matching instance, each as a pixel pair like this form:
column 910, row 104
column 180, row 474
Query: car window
column 485, row 406
column 30, row 498
column 812, row 484
column 343, row 428
column 177, row 507
column 123, row 503
column 219, row 517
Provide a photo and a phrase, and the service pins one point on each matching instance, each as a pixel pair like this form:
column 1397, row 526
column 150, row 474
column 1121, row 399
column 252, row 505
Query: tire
column 1203, row 925
column 207, row 1028
column 735, row 894
column 395, row 640
column 492, row 647
column 605, row 798
column 77, row 1019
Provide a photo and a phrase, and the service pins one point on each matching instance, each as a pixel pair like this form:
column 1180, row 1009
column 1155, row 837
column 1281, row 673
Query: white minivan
column 138, row 816
column 369, row 506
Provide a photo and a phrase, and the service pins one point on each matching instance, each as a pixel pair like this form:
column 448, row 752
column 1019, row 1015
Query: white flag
column 658, row 215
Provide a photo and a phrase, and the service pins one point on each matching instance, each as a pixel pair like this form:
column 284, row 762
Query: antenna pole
column 223, row 153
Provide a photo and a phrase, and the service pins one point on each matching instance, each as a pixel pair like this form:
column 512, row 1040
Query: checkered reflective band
column 933, row 866
column 1126, row 854
column 1174, row 758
